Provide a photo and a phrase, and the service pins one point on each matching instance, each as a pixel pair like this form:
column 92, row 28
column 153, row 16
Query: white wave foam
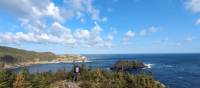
column 148, row 65
column 86, row 61
column 168, row 66
column 180, row 77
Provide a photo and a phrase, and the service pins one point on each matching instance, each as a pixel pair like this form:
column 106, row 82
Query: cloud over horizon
column 33, row 15
column 99, row 26
column 194, row 6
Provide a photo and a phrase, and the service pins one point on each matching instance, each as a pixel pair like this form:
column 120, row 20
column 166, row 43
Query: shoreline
column 26, row 64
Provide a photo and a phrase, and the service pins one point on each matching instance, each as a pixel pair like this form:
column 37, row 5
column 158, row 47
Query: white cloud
column 93, row 37
column 35, row 38
column 193, row 5
column 62, row 35
column 7, row 37
column 82, row 20
column 34, row 16
column 20, row 36
column 104, row 19
column 151, row 29
column 82, row 34
column 129, row 34
column 189, row 39
column 97, row 40
column 58, row 26
column 53, row 11
column 96, row 30
column 109, row 37
column 59, row 30
column 108, row 40
column 22, row 8
column 81, row 7
column 31, row 9
column 143, row 32
column 198, row 22
column 76, row 4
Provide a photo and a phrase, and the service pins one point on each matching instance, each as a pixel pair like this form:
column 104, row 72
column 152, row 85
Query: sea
column 173, row 70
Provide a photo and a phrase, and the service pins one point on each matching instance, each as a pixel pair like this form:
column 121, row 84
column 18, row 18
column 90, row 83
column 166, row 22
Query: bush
column 107, row 79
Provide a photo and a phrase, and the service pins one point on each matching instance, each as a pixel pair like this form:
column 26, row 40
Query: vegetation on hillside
column 107, row 79
column 12, row 55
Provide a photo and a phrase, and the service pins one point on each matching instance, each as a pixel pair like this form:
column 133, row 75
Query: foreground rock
column 65, row 84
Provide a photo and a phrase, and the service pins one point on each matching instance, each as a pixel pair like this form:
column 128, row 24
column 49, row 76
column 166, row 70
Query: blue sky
column 101, row 26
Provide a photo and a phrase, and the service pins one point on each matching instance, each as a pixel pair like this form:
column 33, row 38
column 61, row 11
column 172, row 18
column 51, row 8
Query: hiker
column 76, row 73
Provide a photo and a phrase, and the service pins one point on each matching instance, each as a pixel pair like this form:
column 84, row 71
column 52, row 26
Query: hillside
column 13, row 55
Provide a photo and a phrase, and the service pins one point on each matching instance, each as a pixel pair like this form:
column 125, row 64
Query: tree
column 6, row 79
column 8, row 59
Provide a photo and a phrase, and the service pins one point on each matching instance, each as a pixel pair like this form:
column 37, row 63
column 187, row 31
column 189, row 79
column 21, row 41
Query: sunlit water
column 174, row 70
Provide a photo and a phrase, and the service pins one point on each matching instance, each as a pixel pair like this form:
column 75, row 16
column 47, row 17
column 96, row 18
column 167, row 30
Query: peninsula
column 11, row 58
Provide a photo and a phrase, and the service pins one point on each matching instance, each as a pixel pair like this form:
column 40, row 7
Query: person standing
column 76, row 73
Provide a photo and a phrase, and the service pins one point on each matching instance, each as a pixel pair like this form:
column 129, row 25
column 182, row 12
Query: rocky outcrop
column 127, row 65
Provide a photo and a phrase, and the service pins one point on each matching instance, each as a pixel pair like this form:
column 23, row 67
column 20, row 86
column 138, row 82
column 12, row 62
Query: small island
column 123, row 65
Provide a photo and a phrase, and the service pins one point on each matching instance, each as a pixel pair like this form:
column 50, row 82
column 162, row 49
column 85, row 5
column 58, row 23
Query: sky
column 101, row 26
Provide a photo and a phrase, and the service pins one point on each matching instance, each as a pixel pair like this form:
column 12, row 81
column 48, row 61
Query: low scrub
column 96, row 78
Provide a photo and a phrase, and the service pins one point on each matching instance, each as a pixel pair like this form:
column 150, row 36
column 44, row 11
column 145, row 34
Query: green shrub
column 87, row 79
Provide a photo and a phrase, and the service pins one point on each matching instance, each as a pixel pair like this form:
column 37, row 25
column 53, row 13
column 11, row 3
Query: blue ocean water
column 174, row 70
